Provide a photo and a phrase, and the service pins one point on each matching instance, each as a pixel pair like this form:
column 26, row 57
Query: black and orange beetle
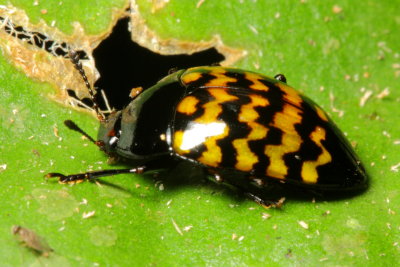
column 244, row 128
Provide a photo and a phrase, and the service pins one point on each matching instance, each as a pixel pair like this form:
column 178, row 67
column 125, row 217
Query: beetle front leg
column 250, row 194
column 80, row 177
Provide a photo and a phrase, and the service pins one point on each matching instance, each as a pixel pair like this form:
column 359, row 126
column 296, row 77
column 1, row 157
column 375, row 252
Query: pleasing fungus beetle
column 244, row 128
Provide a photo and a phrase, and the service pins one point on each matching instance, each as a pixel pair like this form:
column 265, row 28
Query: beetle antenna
column 78, row 65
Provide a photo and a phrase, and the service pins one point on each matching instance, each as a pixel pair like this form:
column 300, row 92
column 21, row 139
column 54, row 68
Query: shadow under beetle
column 245, row 129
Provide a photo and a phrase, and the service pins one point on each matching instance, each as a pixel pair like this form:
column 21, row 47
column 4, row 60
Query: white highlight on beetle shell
column 199, row 132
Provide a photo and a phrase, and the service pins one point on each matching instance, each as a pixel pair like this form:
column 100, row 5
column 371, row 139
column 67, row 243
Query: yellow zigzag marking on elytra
column 309, row 169
column 220, row 80
column 213, row 154
column 245, row 157
column 255, row 79
column 188, row 105
column 213, row 108
column 291, row 141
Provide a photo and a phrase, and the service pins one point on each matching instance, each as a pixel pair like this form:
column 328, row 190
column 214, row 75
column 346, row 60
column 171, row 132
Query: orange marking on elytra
column 213, row 108
column 178, row 140
column 309, row 169
column 291, row 141
column 191, row 77
column 213, row 154
column 245, row 157
column 290, row 95
column 255, row 79
column 220, row 80
column 321, row 114
column 188, row 105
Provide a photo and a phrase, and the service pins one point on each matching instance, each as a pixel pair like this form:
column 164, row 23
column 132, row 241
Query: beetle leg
column 80, row 177
column 218, row 178
column 265, row 203
column 271, row 203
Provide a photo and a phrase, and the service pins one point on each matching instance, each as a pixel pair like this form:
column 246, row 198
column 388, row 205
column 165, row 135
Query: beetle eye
column 114, row 137
column 111, row 133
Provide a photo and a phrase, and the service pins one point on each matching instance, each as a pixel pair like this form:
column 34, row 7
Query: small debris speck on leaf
column 176, row 227
column 266, row 216
column 336, row 9
column 303, row 224
column 3, row 167
column 89, row 214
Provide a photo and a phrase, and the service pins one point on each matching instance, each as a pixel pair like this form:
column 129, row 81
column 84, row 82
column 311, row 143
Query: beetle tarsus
column 80, row 177
column 266, row 203
column 68, row 179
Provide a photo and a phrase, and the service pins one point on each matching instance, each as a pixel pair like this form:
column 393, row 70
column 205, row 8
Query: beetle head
column 110, row 132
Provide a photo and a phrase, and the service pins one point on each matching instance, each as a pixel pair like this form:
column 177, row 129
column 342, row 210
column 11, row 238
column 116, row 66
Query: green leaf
column 330, row 49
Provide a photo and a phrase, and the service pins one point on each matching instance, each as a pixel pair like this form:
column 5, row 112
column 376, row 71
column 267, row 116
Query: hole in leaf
column 56, row 48
column 123, row 65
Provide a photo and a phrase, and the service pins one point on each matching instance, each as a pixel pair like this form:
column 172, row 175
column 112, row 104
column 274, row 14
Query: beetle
column 244, row 128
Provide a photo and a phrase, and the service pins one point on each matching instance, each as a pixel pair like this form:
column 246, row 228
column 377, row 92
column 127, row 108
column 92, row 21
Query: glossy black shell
column 264, row 130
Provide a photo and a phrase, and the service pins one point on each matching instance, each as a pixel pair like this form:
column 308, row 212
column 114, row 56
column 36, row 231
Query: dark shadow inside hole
column 87, row 101
column 124, row 65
